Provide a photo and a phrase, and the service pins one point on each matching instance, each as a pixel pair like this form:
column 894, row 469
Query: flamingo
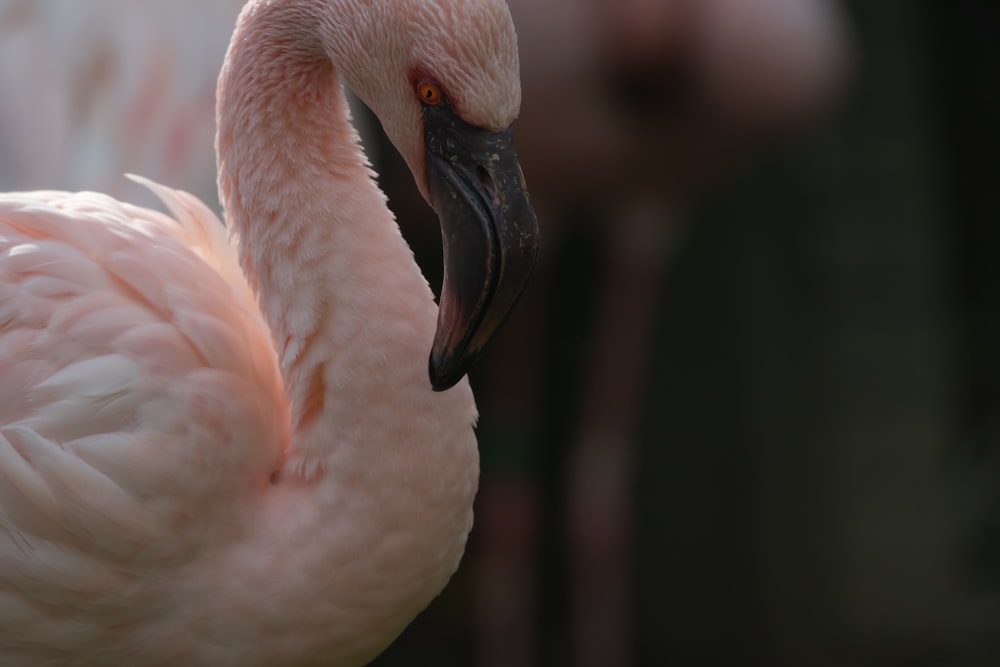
column 666, row 91
column 83, row 99
column 238, row 451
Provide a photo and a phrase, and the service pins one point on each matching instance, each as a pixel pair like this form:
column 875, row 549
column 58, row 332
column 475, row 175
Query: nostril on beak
column 486, row 180
column 484, row 176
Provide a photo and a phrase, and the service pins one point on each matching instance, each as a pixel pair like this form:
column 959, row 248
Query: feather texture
column 140, row 401
column 222, row 446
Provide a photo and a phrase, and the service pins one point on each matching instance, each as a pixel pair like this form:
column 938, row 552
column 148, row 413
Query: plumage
column 89, row 90
column 223, row 448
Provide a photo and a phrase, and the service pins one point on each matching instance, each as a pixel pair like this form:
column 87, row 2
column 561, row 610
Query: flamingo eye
column 430, row 93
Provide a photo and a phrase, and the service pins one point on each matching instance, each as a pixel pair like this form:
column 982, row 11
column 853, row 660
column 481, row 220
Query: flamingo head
column 442, row 76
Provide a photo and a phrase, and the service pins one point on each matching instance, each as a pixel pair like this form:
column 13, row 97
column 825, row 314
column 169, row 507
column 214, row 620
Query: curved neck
column 351, row 316
column 376, row 495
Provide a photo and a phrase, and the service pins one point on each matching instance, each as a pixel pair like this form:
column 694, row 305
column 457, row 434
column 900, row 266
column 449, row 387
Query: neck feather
column 351, row 316
column 377, row 489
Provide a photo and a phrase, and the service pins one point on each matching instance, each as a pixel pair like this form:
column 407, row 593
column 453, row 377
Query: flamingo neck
column 375, row 499
column 351, row 316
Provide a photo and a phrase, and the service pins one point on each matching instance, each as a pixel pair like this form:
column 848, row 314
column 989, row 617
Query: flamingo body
column 224, row 448
column 135, row 381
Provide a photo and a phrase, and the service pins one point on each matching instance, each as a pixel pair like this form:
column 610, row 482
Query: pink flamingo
column 665, row 91
column 217, row 453
column 84, row 98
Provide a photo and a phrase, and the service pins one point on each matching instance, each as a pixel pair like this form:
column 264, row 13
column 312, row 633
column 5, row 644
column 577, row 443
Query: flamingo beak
column 489, row 233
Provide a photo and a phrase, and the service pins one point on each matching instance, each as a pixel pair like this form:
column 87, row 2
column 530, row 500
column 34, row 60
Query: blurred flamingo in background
column 663, row 91
column 93, row 90
column 90, row 91
column 233, row 454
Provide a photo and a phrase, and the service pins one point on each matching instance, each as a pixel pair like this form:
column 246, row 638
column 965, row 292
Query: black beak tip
column 444, row 372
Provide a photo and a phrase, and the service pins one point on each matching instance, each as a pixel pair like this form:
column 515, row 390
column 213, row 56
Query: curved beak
column 489, row 233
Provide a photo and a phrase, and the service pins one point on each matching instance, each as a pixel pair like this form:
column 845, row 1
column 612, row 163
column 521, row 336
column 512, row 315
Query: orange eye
column 430, row 93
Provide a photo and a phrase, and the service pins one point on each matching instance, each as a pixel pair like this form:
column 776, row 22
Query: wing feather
column 138, row 383
column 204, row 233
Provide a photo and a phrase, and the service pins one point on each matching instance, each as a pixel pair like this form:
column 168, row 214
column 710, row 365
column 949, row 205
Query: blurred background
column 749, row 410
